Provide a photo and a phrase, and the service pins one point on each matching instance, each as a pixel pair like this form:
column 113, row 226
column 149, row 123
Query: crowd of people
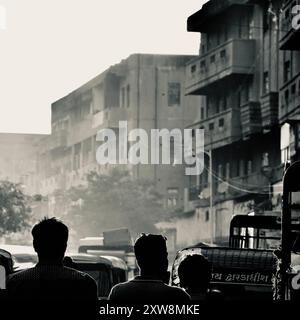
column 54, row 277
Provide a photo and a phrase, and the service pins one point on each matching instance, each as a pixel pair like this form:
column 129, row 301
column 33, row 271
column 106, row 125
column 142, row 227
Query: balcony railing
column 289, row 99
column 269, row 110
column 109, row 118
column 235, row 57
column 221, row 129
column 256, row 182
column 289, row 35
column 250, row 118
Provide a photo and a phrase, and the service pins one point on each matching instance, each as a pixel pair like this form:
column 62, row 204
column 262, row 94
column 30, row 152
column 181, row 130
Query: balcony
column 221, row 129
column 242, row 186
column 250, row 119
column 289, row 36
column 289, row 100
column 269, row 110
column 277, row 174
column 233, row 59
column 109, row 118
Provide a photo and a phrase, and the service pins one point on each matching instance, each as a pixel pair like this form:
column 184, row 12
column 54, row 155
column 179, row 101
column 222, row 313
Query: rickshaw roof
column 116, row 262
column 223, row 257
column 88, row 258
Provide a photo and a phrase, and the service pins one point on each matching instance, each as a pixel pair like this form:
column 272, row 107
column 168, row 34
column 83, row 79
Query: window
column 221, row 123
column 266, row 18
column 202, row 66
column 128, row 96
column 172, row 199
column 293, row 90
column 286, row 97
column 287, row 71
column 202, row 113
column 174, row 93
column 206, row 216
column 244, row 94
column 213, row 59
column 211, row 126
column 87, row 151
column 223, row 54
column 123, row 97
column 266, row 82
column 193, row 69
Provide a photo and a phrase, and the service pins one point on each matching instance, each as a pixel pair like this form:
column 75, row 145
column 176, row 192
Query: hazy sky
column 51, row 47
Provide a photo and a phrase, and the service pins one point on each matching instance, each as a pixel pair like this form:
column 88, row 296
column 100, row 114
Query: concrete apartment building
column 238, row 77
column 18, row 160
column 146, row 90
column 289, row 93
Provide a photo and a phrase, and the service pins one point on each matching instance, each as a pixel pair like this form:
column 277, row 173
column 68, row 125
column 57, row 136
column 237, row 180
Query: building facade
column 147, row 91
column 241, row 76
column 18, row 160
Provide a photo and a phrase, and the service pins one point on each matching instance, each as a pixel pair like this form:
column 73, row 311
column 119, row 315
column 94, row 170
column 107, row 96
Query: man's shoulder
column 126, row 289
column 22, row 275
column 50, row 272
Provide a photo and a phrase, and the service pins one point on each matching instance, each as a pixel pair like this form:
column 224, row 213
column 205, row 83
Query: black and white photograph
column 149, row 157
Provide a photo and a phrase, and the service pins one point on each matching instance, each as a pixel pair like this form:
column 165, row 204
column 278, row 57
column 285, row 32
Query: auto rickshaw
column 107, row 271
column 286, row 285
column 6, row 267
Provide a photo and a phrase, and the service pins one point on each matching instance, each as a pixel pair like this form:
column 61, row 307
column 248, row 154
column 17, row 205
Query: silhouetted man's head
column 152, row 255
column 195, row 273
column 50, row 237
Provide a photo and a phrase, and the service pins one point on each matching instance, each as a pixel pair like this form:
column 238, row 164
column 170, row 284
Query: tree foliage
column 114, row 201
column 14, row 208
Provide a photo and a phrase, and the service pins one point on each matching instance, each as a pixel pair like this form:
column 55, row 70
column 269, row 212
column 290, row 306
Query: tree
column 114, row 201
column 14, row 208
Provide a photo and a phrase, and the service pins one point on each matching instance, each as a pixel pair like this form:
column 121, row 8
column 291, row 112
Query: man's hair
column 50, row 237
column 195, row 272
column 151, row 251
